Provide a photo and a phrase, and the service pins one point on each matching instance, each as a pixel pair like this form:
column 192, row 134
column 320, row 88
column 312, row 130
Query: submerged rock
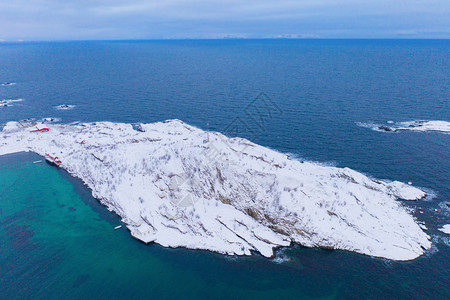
column 177, row 185
column 386, row 128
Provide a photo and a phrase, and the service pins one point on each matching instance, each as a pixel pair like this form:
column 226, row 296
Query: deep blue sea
column 57, row 242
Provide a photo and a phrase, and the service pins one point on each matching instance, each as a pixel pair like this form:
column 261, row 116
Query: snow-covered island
column 177, row 185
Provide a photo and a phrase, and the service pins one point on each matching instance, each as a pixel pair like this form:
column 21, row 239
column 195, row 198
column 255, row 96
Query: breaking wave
column 438, row 239
column 280, row 257
column 431, row 194
column 298, row 157
column 444, row 208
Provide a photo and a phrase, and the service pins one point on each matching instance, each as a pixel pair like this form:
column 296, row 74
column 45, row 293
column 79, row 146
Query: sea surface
column 303, row 97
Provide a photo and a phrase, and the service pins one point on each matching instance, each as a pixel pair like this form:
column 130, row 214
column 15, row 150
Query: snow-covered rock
column 64, row 107
column 177, row 185
column 8, row 102
column 423, row 126
column 445, row 229
column 7, row 83
column 442, row 126
column 405, row 192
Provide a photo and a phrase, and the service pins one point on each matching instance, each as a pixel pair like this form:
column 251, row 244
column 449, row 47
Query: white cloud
column 117, row 19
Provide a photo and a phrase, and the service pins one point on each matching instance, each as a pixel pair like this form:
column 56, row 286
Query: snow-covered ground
column 445, row 229
column 438, row 126
column 177, row 185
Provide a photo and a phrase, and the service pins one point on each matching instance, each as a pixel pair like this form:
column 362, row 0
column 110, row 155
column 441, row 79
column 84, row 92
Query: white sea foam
column 369, row 125
column 445, row 240
column 434, row 249
column 420, row 125
column 177, row 185
column 281, row 258
column 431, row 194
column 295, row 156
column 299, row 158
column 436, row 240
column 444, row 208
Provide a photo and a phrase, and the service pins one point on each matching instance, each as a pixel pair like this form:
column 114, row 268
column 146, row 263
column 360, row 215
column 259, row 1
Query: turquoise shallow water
column 59, row 242
column 56, row 241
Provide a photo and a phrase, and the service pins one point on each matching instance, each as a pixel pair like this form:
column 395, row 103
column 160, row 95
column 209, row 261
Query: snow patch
column 445, row 229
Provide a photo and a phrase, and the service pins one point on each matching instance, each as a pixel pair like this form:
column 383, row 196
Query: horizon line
column 218, row 39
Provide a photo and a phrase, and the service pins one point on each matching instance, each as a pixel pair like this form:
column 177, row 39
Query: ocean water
column 303, row 97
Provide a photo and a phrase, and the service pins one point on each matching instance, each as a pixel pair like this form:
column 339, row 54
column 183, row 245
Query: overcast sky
column 158, row 19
